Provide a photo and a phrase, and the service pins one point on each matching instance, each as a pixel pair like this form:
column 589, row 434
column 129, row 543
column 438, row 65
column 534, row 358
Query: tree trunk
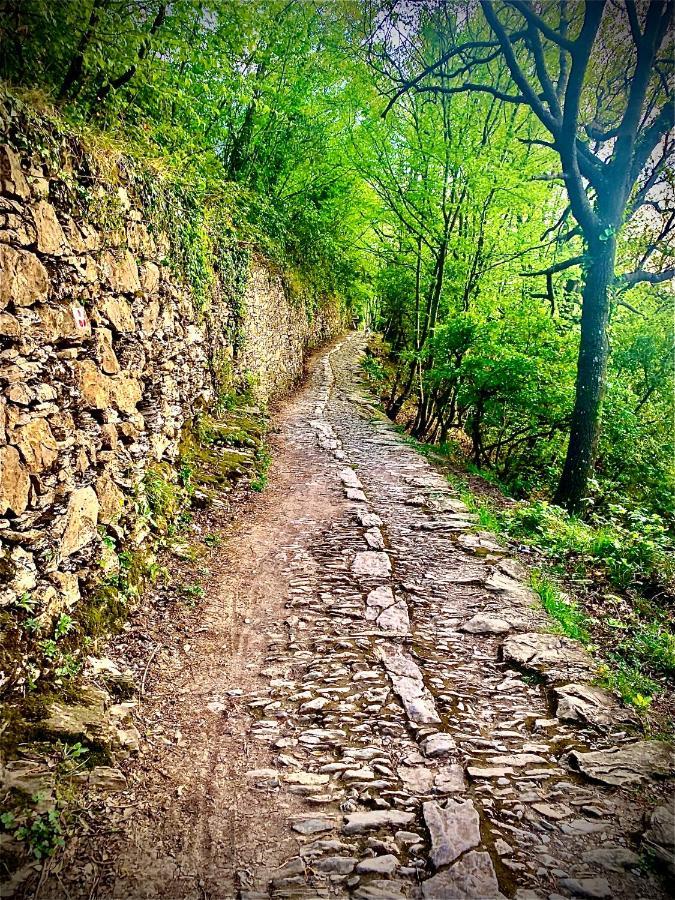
column 590, row 383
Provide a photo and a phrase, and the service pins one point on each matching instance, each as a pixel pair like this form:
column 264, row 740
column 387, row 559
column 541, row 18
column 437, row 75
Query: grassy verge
column 604, row 584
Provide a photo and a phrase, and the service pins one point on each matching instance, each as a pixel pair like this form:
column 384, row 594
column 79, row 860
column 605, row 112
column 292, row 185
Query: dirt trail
column 328, row 728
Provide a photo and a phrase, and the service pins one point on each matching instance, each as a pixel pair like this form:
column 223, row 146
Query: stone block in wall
column 12, row 179
column 9, row 326
column 110, row 499
column 150, row 278
column 23, row 278
column 92, row 385
column 50, row 237
column 36, row 444
column 14, row 482
column 118, row 312
column 121, row 272
column 62, row 323
column 105, row 352
column 80, row 523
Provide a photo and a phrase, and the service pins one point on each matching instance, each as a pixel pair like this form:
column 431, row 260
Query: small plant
column 569, row 618
column 73, row 751
column 193, row 591
column 43, row 834
column 63, row 627
column 629, row 682
column 373, row 369
column 652, row 643
column 68, row 667
column 260, row 481
column 212, row 540
column 26, row 602
column 49, row 648
column 163, row 496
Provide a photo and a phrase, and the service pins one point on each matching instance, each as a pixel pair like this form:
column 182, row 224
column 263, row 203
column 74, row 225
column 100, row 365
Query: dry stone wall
column 104, row 356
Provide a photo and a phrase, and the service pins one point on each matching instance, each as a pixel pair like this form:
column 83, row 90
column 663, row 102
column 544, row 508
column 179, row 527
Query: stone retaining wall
column 103, row 358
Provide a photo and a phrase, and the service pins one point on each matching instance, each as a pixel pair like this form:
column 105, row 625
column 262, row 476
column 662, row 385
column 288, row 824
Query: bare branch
column 528, row 13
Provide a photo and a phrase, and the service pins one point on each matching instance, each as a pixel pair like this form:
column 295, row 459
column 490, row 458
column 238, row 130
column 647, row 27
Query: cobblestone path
column 412, row 727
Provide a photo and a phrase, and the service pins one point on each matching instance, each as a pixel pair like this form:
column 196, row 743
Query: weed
column 73, row 751
column 653, row 644
column 163, row 496
column 49, row 648
column 63, row 627
column 193, row 592
column 69, row 666
column 261, row 479
column 373, row 369
column 43, row 834
column 570, row 618
column 212, row 540
column 26, row 602
column 633, row 685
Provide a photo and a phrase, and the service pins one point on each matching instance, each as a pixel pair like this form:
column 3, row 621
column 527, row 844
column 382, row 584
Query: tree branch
column 525, row 9
column 556, row 267
column 641, row 275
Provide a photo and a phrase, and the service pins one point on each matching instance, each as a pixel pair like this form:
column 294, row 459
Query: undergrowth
column 621, row 576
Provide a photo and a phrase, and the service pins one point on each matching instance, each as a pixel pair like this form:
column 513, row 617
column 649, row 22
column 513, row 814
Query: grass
column 629, row 556
column 634, row 687
column 571, row 620
column 261, row 478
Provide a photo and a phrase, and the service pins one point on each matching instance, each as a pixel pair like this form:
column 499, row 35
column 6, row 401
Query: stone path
column 412, row 729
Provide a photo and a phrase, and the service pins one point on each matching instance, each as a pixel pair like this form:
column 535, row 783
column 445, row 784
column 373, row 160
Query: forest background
column 490, row 189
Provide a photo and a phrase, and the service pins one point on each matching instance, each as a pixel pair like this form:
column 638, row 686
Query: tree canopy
column 489, row 185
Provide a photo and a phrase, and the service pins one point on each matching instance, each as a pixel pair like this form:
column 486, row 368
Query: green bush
column 634, row 553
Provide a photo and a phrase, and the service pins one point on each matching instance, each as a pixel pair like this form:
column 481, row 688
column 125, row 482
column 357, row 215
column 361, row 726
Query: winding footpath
column 373, row 705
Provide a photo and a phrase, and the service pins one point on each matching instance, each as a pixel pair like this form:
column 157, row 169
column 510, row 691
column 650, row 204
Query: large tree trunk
column 590, row 383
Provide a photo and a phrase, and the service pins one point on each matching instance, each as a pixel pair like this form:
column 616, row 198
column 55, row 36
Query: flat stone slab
column 378, row 865
column 550, row 655
column 408, row 683
column 354, row 493
column 480, row 544
column 372, row 564
column 379, row 889
column 586, row 704
column 417, row 700
column 395, row 619
column 483, row 623
column 514, row 591
column 627, row 764
column 313, row 825
column 334, row 865
column 477, row 772
column 660, row 836
column 472, row 878
column 374, row 539
column 615, row 859
column 379, row 599
column 450, row 780
column 368, row 519
column 350, row 478
column 518, row 760
column 416, row 779
column 360, row 822
column 587, row 887
column 438, row 744
column 453, row 830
